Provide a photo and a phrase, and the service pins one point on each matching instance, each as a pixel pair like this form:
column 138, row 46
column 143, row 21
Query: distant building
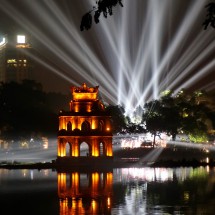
column 15, row 62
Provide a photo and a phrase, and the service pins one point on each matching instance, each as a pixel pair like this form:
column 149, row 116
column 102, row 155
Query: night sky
column 145, row 47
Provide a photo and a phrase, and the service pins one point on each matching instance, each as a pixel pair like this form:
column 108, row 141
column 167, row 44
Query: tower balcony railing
column 78, row 132
column 83, row 113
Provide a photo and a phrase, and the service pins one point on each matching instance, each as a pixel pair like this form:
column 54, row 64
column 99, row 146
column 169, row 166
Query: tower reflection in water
column 85, row 193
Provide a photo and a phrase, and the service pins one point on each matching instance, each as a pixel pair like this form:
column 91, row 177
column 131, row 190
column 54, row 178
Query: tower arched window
column 101, row 125
column 101, row 149
column 69, row 126
column 85, row 126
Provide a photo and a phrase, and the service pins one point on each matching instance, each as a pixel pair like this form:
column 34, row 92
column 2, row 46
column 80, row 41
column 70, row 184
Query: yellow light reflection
column 93, row 123
column 108, row 202
column 94, row 206
column 186, row 196
column 72, row 196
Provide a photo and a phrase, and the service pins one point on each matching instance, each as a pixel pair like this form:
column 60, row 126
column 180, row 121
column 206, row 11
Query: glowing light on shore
column 144, row 48
column 146, row 141
column 202, row 146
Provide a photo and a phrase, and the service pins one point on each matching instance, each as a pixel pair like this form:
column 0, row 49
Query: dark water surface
column 125, row 191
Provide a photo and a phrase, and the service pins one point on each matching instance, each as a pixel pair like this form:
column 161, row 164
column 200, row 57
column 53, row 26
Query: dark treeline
column 27, row 111
column 182, row 113
column 192, row 114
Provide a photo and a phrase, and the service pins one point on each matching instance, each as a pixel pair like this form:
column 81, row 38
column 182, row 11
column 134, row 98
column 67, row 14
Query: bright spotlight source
column 20, row 39
column 3, row 41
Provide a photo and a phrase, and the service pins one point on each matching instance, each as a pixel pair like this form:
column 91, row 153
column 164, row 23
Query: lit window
column 11, row 61
column 20, row 39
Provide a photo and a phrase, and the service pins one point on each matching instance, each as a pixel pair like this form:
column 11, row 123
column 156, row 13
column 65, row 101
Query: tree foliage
column 117, row 116
column 182, row 113
column 210, row 17
column 153, row 118
column 104, row 7
column 26, row 110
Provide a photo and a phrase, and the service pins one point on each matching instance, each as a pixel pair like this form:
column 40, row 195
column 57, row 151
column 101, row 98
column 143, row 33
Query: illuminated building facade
column 15, row 62
column 85, row 193
column 86, row 123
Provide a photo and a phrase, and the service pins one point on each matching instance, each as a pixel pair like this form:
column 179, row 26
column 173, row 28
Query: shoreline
column 133, row 158
column 116, row 164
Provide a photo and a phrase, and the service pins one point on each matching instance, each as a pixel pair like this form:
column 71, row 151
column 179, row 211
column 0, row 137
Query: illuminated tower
column 86, row 123
column 15, row 63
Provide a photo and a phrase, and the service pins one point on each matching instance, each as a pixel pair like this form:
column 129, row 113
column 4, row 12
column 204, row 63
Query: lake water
column 124, row 191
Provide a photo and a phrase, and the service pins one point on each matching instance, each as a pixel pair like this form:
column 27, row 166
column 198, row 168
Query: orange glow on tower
column 86, row 122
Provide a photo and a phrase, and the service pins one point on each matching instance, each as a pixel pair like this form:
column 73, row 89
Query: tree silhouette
column 210, row 17
column 117, row 115
column 103, row 6
column 187, row 113
column 25, row 110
